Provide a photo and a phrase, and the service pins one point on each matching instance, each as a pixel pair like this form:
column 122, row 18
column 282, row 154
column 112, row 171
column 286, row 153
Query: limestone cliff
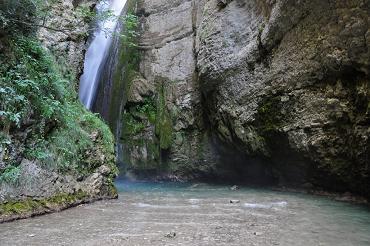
column 280, row 88
column 164, row 131
column 288, row 82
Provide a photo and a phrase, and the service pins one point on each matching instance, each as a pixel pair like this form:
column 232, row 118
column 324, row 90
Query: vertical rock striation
column 167, row 82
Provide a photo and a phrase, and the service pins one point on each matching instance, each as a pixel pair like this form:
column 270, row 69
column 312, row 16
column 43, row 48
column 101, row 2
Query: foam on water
column 266, row 205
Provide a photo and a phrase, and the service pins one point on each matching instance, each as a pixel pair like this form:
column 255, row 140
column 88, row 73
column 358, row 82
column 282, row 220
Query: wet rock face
column 176, row 142
column 288, row 81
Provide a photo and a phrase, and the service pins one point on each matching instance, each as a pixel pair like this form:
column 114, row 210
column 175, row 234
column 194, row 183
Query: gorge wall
column 293, row 87
column 163, row 126
column 277, row 90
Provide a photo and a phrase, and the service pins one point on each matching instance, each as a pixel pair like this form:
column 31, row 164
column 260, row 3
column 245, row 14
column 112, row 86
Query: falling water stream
column 97, row 52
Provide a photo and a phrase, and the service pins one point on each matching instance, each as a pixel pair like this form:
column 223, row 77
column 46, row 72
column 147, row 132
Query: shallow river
column 173, row 214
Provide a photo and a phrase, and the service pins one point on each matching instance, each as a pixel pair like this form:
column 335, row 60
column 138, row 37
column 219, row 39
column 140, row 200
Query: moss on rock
column 163, row 125
column 19, row 209
column 269, row 116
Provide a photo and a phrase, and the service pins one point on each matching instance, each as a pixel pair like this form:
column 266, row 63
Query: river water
column 186, row 214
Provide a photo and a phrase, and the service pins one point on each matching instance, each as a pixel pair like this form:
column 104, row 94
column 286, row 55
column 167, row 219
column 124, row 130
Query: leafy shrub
column 130, row 34
column 34, row 95
column 29, row 85
column 18, row 15
column 10, row 175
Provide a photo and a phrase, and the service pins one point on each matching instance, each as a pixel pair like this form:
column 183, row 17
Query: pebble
column 235, row 187
column 171, row 235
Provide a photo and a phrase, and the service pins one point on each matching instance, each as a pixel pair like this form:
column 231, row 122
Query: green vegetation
column 129, row 53
column 130, row 34
column 132, row 126
column 269, row 115
column 149, row 109
column 128, row 60
column 152, row 111
column 21, row 15
column 138, row 116
column 41, row 118
column 10, row 175
column 29, row 85
column 148, row 126
column 163, row 125
column 149, row 119
column 79, row 145
column 33, row 95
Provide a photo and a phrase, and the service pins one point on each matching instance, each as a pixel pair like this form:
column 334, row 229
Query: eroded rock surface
column 177, row 141
column 289, row 81
column 68, row 42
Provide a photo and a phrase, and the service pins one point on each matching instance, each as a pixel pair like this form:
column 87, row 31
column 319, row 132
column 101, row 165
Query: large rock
column 37, row 182
column 283, row 87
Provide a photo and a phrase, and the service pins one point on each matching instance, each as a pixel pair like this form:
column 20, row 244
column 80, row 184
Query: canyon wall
column 164, row 98
column 277, row 89
column 288, row 81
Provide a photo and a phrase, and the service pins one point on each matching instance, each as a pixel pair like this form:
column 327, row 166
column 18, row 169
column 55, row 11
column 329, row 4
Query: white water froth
column 194, row 201
column 166, row 206
column 266, row 205
column 98, row 50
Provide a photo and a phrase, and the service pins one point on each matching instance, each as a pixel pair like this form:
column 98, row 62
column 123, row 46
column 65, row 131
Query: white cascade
column 98, row 50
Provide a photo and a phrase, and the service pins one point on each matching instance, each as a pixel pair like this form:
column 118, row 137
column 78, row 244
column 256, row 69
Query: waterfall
column 110, row 94
column 102, row 85
column 98, row 50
